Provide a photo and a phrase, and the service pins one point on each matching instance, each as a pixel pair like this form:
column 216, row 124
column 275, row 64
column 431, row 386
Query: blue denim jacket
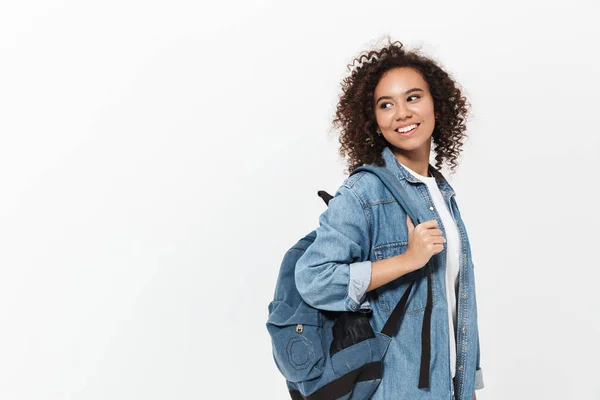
column 364, row 223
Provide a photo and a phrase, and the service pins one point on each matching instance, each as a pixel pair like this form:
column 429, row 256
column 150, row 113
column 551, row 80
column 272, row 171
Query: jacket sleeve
column 478, row 371
column 334, row 272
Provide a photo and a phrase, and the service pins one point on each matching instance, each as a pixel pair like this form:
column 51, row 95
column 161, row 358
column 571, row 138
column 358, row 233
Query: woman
column 394, row 106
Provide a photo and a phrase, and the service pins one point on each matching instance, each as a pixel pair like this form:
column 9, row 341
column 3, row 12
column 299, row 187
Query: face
column 402, row 99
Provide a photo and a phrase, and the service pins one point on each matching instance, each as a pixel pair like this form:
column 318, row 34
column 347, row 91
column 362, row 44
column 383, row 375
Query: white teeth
column 407, row 129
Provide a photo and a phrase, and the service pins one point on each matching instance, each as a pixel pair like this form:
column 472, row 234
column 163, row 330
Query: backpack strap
column 393, row 323
column 391, row 182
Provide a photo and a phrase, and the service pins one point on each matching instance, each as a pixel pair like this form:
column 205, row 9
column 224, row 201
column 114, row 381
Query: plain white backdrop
column 158, row 158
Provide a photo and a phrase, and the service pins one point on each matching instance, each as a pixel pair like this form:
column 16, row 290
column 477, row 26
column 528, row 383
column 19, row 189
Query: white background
column 158, row 158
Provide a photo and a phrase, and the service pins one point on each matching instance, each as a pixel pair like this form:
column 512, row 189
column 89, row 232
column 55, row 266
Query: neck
column 417, row 160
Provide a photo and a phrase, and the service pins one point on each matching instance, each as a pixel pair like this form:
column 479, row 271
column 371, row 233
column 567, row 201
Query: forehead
column 398, row 80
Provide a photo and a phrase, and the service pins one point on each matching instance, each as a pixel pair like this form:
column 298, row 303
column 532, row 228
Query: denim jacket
column 364, row 223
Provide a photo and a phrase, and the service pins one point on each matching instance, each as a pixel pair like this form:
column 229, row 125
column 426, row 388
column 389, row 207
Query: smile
column 407, row 131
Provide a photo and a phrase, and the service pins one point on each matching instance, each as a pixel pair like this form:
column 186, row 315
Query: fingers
column 428, row 228
column 435, row 232
column 436, row 239
column 432, row 223
column 431, row 236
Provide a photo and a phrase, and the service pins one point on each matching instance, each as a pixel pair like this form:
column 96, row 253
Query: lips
column 408, row 133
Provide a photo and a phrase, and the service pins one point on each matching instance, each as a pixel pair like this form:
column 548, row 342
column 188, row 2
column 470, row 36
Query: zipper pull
column 299, row 328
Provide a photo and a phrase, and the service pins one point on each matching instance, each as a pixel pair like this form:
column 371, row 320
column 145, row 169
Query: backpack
column 327, row 355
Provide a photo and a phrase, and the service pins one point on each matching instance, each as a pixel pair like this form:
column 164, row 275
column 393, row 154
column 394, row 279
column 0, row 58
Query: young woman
column 395, row 105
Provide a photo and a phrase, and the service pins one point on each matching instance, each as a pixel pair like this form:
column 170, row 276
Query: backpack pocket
column 296, row 340
column 354, row 343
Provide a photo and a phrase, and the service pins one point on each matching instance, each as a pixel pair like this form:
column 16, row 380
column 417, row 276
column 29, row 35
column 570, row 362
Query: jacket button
column 464, row 329
column 460, row 367
column 464, row 295
column 431, row 208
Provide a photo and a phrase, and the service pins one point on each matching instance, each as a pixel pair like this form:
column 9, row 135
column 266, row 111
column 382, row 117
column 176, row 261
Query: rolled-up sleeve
column 334, row 272
column 478, row 371
column 479, row 379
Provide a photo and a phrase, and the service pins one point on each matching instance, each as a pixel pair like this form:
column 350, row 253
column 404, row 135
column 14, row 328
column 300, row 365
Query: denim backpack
column 326, row 355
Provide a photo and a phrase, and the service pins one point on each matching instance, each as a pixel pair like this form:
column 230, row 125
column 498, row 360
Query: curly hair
column 355, row 111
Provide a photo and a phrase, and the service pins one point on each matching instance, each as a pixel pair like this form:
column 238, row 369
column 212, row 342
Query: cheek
column 426, row 112
column 430, row 110
column 381, row 118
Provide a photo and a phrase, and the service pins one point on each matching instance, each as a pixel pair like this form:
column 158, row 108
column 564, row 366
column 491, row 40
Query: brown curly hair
column 355, row 112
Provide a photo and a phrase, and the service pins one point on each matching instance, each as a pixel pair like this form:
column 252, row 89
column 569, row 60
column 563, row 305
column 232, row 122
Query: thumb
column 409, row 224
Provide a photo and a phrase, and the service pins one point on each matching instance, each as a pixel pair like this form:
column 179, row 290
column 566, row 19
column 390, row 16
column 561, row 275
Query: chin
column 410, row 145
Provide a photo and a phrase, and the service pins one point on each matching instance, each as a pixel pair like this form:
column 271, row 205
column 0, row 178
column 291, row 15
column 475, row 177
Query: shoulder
column 367, row 187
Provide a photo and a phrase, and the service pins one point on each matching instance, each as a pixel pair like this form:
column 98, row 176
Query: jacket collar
column 391, row 163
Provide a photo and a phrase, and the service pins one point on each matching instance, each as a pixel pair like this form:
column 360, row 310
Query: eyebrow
column 407, row 92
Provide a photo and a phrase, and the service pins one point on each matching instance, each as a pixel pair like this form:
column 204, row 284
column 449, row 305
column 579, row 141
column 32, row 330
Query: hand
column 424, row 241
column 474, row 396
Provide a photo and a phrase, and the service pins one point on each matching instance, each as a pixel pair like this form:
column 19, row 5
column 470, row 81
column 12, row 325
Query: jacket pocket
column 296, row 341
column 389, row 295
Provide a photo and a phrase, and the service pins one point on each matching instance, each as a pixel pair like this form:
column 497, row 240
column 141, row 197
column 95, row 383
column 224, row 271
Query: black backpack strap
column 343, row 385
column 393, row 323
column 426, row 334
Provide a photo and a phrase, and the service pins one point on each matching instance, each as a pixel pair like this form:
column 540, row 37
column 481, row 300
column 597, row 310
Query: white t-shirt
column 452, row 248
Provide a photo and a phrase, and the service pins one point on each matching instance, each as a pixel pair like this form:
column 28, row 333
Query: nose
column 402, row 112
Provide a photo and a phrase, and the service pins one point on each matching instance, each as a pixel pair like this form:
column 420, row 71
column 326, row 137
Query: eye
column 418, row 97
column 382, row 105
